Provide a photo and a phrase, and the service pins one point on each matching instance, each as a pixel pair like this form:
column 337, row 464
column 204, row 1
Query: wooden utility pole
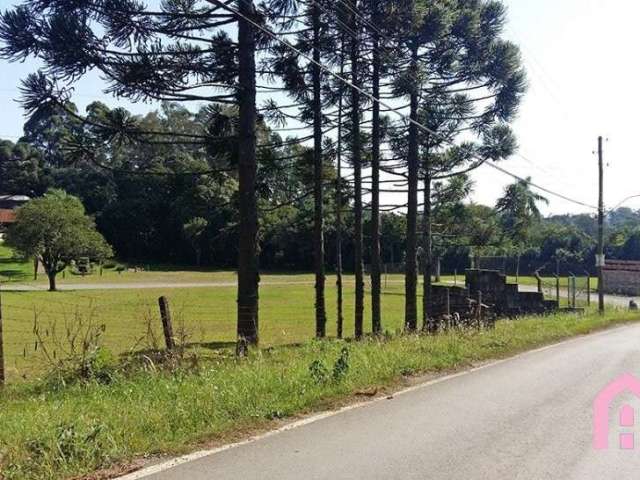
column 600, row 260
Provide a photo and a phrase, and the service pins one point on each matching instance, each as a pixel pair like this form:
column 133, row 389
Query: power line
column 611, row 210
column 403, row 116
column 543, row 189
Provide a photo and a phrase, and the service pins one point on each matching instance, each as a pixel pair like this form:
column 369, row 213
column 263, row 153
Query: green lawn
column 207, row 316
column 53, row 431
column 13, row 268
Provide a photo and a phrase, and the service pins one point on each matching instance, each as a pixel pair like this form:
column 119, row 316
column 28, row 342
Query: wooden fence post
column 588, row 289
column 165, row 314
column 448, row 301
column 539, row 280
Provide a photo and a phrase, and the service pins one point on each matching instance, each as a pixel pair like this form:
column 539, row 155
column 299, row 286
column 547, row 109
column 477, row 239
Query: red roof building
column 7, row 217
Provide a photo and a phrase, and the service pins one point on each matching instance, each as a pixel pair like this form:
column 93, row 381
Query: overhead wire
column 400, row 114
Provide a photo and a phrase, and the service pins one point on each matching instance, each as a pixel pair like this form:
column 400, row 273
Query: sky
column 581, row 60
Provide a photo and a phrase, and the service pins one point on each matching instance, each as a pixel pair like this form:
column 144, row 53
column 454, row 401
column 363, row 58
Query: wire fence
column 37, row 336
column 41, row 328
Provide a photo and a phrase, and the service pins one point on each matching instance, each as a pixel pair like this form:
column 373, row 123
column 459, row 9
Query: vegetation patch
column 162, row 408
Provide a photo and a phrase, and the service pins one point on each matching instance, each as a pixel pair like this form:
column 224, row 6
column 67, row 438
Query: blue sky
column 581, row 58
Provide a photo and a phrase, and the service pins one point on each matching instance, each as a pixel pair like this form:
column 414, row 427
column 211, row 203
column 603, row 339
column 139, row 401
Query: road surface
column 615, row 300
column 527, row 418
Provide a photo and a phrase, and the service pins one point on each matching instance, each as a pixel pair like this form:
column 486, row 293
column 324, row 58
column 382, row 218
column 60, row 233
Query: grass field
column 206, row 315
column 12, row 268
column 52, row 431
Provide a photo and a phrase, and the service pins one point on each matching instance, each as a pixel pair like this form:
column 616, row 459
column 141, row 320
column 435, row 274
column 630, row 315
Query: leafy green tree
column 450, row 215
column 194, row 230
column 56, row 230
column 518, row 210
column 21, row 171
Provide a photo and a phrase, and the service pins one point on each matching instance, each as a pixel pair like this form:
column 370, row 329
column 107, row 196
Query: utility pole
column 600, row 260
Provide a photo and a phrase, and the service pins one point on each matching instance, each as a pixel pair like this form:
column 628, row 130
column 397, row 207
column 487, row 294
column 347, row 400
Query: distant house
column 8, row 206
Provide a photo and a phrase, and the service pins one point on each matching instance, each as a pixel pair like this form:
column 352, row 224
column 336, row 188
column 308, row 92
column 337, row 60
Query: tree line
column 273, row 115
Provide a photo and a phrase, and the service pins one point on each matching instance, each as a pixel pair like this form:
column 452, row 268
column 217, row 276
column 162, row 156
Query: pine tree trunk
column 357, row 174
column 248, row 275
column 411, row 267
column 428, row 321
column 318, row 177
column 339, row 300
column 376, row 268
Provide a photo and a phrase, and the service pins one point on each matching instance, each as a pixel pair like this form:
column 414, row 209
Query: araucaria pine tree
column 179, row 51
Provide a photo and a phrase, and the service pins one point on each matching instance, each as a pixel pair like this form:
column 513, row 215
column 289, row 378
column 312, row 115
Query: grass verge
column 51, row 431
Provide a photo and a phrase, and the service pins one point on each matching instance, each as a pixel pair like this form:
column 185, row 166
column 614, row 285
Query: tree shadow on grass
column 14, row 275
column 212, row 345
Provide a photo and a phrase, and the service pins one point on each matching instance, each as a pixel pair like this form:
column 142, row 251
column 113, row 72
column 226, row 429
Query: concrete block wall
column 458, row 300
column 506, row 298
column 622, row 282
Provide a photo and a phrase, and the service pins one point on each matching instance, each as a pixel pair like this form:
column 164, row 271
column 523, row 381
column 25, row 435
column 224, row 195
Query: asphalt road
column 525, row 418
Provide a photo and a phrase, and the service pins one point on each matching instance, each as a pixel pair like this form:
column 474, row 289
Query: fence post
column 448, row 301
column 558, row 289
column 573, row 291
column 165, row 314
column 479, row 313
column 588, row 289
column 539, row 280
column 455, row 277
column 2, row 374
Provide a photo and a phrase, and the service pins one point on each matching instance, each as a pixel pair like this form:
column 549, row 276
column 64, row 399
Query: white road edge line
column 169, row 464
